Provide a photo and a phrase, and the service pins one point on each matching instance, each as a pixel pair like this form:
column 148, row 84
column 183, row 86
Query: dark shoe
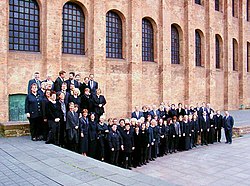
column 47, row 142
column 230, row 142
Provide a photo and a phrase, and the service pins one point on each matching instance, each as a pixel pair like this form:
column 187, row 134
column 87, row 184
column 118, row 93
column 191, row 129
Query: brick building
column 141, row 51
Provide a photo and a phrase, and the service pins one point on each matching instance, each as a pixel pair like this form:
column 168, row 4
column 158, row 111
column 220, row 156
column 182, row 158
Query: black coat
column 204, row 125
column 128, row 141
column 172, row 113
column 228, row 123
column 33, row 105
column 87, row 102
column 115, row 140
column 82, row 87
column 58, row 84
column 99, row 100
column 180, row 112
column 95, row 86
column 140, row 114
column 218, row 121
column 54, row 111
column 76, row 100
column 92, row 130
column 144, row 139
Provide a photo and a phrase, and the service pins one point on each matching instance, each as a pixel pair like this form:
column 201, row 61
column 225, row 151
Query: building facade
column 140, row 51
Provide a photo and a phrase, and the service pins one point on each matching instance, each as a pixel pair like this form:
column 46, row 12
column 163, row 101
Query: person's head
column 64, row 86
column 71, row 106
column 49, row 85
column 190, row 117
column 208, row 105
column 98, row 91
column 138, row 122
column 53, row 95
column 122, row 122
column 133, row 121
column 92, row 116
column 143, row 126
column 71, row 86
column 87, row 91
column 33, row 88
column 180, row 118
column 174, row 119
column 144, row 108
column 47, row 93
column 169, row 120
column 160, row 121
column 142, row 119
column 186, row 106
column 71, row 75
column 203, row 104
column 62, row 74
column 43, row 85
column 36, row 75
column 191, row 107
column 127, row 126
column 84, row 113
column 77, row 77
column 162, row 107
column 137, row 128
column 101, row 119
column 149, row 117
column 76, row 92
column 86, row 80
column 127, row 121
column 137, row 108
column 61, row 96
column 76, row 107
column 185, row 118
column 91, row 77
column 226, row 113
column 154, row 107
column 180, row 105
column 211, row 115
column 153, row 122
column 114, row 127
column 110, row 121
column 173, row 106
column 115, row 121
column 49, row 77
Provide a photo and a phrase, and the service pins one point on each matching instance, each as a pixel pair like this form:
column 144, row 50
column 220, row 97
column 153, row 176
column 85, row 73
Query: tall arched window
column 147, row 40
column 217, row 5
column 113, row 35
column 235, row 55
column 248, row 10
column 217, row 52
column 24, row 25
column 175, row 45
column 235, row 8
column 248, row 56
column 197, row 48
column 73, row 38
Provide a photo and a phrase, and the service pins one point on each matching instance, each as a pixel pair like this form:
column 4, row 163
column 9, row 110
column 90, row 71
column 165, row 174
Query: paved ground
column 219, row 164
column 23, row 162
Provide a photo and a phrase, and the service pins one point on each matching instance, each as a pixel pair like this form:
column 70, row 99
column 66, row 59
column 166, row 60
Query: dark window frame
column 114, row 35
column 198, row 49
column 73, row 29
column 217, row 53
column 248, row 10
column 147, row 40
column 175, row 45
column 24, row 26
column 235, row 55
column 217, row 5
column 198, row 2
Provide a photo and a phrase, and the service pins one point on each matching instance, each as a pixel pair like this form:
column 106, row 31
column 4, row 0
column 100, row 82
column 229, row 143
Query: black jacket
column 128, row 141
column 58, row 84
column 115, row 140
column 54, row 111
column 92, row 130
column 33, row 105
column 99, row 100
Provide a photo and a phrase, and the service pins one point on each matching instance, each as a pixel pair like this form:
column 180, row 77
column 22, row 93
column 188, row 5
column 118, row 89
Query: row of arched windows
column 24, row 34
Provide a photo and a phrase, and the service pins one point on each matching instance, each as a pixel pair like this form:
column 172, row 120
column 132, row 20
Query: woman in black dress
column 102, row 131
column 84, row 128
column 92, row 136
column 99, row 102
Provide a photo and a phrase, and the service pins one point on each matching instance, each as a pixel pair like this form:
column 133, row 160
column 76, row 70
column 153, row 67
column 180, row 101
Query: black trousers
column 92, row 148
column 204, row 137
column 144, row 154
column 54, row 133
column 162, row 146
column 167, row 144
column 114, row 155
column 36, row 127
column 211, row 135
column 228, row 134
column 127, row 159
column 217, row 135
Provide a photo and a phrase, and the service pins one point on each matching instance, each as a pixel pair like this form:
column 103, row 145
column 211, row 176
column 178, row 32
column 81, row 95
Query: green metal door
column 17, row 107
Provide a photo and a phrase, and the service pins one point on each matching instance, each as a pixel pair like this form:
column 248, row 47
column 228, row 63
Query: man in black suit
column 204, row 128
column 71, row 80
column 180, row 110
column 186, row 110
column 201, row 109
column 228, row 123
column 137, row 113
column 78, row 80
column 35, row 80
column 208, row 109
column 59, row 81
column 92, row 84
column 172, row 111
column 64, row 90
column 218, row 120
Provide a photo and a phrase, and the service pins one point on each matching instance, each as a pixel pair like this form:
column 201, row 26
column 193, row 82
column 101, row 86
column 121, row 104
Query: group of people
column 72, row 117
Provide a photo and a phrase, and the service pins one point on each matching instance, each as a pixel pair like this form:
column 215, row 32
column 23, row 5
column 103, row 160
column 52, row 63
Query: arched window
column 73, row 38
column 113, row 35
column 147, row 40
column 198, row 2
column 235, row 7
column 24, row 25
column 217, row 5
column 248, row 56
column 197, row 48
column 175, row 46
column 248, row 10
column 217, row 52
column 235, row 55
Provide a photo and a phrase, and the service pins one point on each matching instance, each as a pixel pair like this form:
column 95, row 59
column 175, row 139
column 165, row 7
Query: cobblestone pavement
column 24, row 162
column 218, row 164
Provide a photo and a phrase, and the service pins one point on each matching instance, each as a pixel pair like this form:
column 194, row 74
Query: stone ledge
column 241, row 130
column 14, row 129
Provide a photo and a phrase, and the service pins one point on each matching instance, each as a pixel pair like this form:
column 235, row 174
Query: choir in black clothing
column 75, row 121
